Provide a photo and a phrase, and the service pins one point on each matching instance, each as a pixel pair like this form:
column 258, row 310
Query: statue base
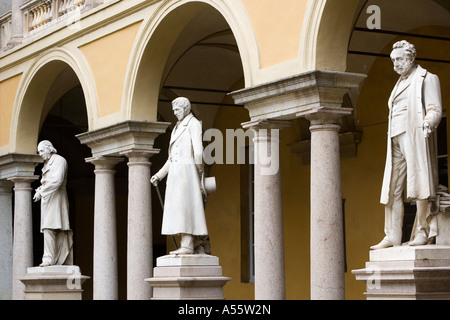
column 61, row 282
column 190, row 277
column 443, row 221
column 407, row 273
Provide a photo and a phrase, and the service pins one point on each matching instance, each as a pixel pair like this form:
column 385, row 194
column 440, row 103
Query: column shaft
column 327, row 237
column 140, row 241
column 23, row 233
column 6, row 239
column 268, row 222
column 105, row 274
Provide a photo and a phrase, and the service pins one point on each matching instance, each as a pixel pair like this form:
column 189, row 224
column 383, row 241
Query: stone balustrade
column 30, row 17
column 37, row 14
column 5, row 29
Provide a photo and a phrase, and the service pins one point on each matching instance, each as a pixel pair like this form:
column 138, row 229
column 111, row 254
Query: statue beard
column 403, row 68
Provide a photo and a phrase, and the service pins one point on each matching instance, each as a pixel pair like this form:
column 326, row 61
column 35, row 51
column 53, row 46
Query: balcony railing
column 38, row 15
column 5, row 29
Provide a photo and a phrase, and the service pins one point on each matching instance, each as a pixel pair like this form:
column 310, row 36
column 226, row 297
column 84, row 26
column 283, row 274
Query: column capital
column 266, row 124
column 22, row 180
column 105, row 163
column 18, row 164
column 324, row 115
column 140, row 153
column 286, row 98
column 123, row 137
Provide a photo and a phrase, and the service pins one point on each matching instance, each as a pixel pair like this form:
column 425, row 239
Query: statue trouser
column 394, row 209
column 57, row 247
column 191, row 244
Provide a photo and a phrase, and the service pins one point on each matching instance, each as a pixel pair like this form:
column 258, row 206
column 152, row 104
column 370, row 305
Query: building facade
column 310, row 78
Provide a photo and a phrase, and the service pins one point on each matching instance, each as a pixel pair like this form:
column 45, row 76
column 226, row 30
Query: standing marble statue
column 415, row 111
column 54, row 207
column 184, row 203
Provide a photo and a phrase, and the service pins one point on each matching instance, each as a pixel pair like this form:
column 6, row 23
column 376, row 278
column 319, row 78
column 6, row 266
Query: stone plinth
column 443, row 237
column 409, row 273
column 53, row 283
column 188, row 277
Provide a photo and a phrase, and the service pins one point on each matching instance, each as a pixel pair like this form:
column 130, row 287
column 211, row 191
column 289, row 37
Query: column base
column 60, row 282
column 188, row 277
column 407, row 273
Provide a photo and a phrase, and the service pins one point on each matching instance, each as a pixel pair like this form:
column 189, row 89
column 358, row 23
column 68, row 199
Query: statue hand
column 427, row 129
column 154, row 180
column 37, row 196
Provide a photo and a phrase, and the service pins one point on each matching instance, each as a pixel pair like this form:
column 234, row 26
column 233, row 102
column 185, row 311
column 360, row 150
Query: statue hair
column 48, row 145
column 182, row 103
column 409, row 48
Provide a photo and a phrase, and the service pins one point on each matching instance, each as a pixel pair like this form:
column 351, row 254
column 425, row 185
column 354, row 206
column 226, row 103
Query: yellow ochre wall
column 270, row 23
column 8, row 90
column 108, row 59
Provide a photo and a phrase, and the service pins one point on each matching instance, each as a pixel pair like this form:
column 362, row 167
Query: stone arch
column 155, row 41
column 29, row 110
column 327, row 29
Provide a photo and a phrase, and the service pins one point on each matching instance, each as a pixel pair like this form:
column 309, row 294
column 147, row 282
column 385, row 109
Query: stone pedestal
column 443, row 222
column 187, row 277
column 53, row 283
column 409, row 273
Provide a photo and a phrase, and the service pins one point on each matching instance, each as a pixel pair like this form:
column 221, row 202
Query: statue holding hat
column 187, row 187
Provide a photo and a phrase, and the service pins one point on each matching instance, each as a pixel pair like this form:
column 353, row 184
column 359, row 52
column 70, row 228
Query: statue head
column 403, row 56
column 181, row 107
column 45, row 149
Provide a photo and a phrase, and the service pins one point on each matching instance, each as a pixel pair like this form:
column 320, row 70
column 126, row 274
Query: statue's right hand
column 37, row 196
column 154, row 180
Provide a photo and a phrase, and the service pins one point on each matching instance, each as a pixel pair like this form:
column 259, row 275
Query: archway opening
column 59, row 111
column 201, row 63
column 426, row 24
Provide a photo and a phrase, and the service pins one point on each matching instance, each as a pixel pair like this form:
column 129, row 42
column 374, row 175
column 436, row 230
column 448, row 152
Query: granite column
column 140, row 240
column 23, row 232
column 105, row 272
column 6, row 238
column 268, row 223
column 327, row 222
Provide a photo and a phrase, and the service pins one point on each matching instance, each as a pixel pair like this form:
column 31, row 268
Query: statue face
column 179, row 112
column 44, row 153
column 402, row 63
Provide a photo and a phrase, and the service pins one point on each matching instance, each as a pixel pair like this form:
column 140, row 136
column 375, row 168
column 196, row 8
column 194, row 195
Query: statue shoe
column 46, row 261
column 419, row 240
column 182, row 251
column 385, row 243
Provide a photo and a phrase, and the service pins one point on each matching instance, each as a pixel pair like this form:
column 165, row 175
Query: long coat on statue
column 54, row 201
column 424, row 104
column 183, row 204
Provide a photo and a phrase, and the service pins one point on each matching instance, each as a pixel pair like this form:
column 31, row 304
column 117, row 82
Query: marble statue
column 186, row 190
column 54, row 207
column 415, row 111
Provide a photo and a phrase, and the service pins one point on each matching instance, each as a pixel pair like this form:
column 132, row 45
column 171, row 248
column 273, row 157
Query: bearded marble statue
column 411, row 171
column 54, row 208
